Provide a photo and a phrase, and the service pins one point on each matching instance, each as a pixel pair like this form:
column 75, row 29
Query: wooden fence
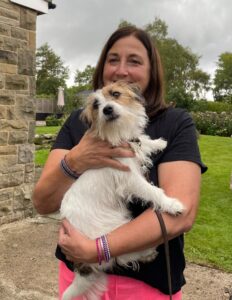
column 46, row 107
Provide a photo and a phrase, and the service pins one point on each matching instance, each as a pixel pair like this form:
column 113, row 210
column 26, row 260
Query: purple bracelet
column 106, row 249
column 66, row 170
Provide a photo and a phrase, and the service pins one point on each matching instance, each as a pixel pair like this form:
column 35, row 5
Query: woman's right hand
column 90, row 153
column 93, row 153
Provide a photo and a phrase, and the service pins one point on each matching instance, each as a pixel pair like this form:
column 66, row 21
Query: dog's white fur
column 96, row 203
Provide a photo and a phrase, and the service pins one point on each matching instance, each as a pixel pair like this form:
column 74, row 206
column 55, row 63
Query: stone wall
column 17, row 110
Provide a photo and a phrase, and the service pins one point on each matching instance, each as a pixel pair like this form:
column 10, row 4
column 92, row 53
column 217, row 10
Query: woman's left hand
column 76, row 246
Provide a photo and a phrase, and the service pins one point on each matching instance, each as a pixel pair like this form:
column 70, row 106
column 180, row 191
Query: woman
column 129, row 55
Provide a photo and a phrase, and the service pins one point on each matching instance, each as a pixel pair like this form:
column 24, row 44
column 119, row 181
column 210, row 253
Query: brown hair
column 154, row 94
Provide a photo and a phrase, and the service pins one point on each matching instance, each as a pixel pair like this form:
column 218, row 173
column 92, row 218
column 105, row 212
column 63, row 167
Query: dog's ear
column 138, row 93
column 86, row 116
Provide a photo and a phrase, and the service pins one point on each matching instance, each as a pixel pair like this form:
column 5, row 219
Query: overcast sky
column 77, row 29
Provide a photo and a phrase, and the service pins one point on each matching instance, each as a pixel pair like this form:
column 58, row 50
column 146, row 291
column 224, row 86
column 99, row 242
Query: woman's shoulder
column 75, row 114
column 174, row 114
column 170, row 116
column 71, row 132
column 169, row 122
column 74, row 120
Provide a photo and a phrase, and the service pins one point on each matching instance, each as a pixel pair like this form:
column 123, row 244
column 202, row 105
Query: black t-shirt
column 175, row 126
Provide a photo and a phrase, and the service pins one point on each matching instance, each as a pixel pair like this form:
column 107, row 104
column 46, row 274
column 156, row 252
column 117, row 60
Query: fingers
column 63, row 240
column 92, row 153
column 64, row 232
column 106, row 145
column 122, row 152
column 69, row 258
column 66, row 226
column 113, row 163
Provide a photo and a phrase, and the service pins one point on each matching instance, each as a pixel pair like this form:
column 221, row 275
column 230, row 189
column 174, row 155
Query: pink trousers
column 119, row 288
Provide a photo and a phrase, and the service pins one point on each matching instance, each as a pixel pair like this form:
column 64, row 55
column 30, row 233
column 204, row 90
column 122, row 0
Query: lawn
column 41, row 155
column 210, row 240
column 47, row 129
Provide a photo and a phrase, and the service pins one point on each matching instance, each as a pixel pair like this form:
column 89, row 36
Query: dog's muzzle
column 109, row 113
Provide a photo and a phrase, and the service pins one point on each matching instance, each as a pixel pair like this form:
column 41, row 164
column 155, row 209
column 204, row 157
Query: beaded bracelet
column 106, row 249
column 66, row 170
column 99, row 251
column 103, row 251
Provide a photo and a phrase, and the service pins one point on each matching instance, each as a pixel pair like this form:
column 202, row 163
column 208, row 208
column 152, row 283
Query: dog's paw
column 150, row 257
column 159, row 144
column 162, row 143
column 175, row 207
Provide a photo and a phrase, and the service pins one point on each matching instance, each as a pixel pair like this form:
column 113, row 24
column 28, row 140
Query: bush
column 180, row 98
column 203, row 106
column 52, row 120
column 45, row 96
column 212, row 123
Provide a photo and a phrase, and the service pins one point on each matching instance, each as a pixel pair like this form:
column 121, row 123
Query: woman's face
column 127, row 60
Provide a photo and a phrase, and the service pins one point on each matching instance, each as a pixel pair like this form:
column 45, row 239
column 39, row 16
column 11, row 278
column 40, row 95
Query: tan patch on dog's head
column 123, row 93
column 120, row 92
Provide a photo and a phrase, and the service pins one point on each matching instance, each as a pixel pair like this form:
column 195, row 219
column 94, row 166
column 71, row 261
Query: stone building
column 17, row 105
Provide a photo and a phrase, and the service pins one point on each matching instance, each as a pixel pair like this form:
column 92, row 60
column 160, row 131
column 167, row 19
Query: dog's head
column 116, row 112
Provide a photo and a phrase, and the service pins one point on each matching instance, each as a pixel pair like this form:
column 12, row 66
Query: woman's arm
column 52, row 184
column 179, row 179
column 90, row 153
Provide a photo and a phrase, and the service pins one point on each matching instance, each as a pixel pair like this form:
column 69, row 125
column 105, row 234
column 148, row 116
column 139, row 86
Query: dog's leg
column 145, row 147
column 98, row 287
column 139, row 187
column 92, row 286
column 150, row 146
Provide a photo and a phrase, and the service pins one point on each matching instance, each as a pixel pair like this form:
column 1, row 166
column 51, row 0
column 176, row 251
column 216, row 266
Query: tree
column 51, row 72
column 223, row 78
column 200, row 83
column 158, row 29
column 76, row 94
column 183, row 78
column 72, row 99
column 124, row 23
column 181, row 73
column 83, row 79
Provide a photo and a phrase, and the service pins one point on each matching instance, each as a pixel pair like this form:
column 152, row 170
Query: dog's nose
column 108, row 110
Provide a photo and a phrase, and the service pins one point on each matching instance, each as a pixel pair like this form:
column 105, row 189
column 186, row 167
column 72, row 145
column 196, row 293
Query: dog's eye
column 115, row 94
column 95, row 104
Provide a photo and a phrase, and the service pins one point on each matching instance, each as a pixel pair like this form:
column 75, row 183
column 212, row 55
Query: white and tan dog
column 96, row 203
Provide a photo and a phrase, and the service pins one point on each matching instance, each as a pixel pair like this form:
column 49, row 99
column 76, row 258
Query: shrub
column 180, row 98
column 203, row 106
column 52, row 120
column 212, row 123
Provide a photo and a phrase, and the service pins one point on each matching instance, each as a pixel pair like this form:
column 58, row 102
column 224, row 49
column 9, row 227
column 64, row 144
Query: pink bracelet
column 99, row 252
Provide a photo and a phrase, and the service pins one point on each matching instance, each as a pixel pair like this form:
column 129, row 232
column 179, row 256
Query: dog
column 96, row 203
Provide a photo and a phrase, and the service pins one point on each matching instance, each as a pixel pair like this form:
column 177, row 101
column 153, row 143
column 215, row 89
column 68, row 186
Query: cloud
column 77, row 30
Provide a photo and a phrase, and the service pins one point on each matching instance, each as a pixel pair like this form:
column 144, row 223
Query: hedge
column 213, row 123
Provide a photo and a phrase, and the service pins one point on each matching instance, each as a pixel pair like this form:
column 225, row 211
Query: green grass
column 41, row 156
column 47, row 129
column 210, row 240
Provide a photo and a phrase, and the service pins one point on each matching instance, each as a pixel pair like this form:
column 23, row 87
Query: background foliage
column 185, row 83
column 223, row 78
column 50, row 71
column 212, row 123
